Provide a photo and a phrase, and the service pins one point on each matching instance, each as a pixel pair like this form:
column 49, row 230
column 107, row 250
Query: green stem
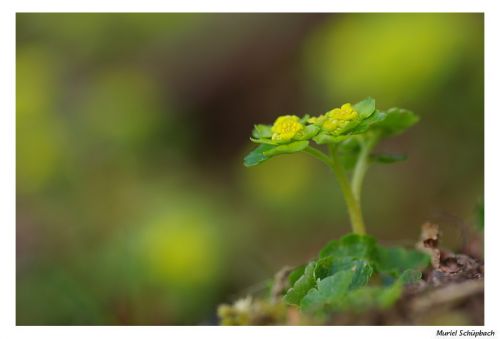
column 359, row 172
column 319, row 155
column 353, row 207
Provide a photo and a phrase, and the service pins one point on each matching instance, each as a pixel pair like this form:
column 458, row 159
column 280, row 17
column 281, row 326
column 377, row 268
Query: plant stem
column 319, row 155
column 352, row 203
column 361, row 166
column 353, row 206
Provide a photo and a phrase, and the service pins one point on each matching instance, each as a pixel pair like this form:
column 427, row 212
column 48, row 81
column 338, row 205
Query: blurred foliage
column 132, row 203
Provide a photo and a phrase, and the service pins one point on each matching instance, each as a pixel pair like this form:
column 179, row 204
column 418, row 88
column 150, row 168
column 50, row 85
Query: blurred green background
column 133, row 206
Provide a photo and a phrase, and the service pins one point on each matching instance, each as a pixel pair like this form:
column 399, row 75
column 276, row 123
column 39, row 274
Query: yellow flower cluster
column 335, row 119
column 286, row 127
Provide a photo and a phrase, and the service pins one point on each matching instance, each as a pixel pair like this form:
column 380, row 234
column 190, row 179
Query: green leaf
column 365, row 108
column 324, row 138
column 365, row 297
column 388, row 296
column 262, row 131
column 396, row 260
column 362, row 274
column 257, row 156
column 265, row 151
column 372, row 120
column 328, row 266
column 352, row 245
column 397, row 121
column 292, row 147
column 338, row 279
column 296, row 274
column 328, row 291
column 369, row 297
column 302, row 285
column 385, row 158
column 348, row 128
column 264, row 141
column 304, row 119
column 410, row 276
column 308, row 132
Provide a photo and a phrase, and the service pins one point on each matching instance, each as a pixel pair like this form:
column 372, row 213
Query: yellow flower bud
column 338, row 118
column 318, row 121
column 286, row 127
column 346, row 112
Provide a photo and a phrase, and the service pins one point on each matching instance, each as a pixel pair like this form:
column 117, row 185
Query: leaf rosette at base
column 343, row 276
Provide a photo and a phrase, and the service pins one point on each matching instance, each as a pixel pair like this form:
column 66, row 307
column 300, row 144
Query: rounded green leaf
column 261, row 131
column 397, row 121
column 292, row 147
column 325, row 138
column 352, row 245
column 367, row 123
column 410, row 277
column 257, row 156
column 308, row 132
column 330, row 265
column 264, row 141
column 265, row 151
column 304, row 119
column 302, row 285
column 329, row 290
column 365, row 108
column 296, row 274
column 396, row 260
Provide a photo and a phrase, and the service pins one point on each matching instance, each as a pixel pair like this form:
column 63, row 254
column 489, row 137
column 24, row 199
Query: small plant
column 350, row 134
column 353, row 273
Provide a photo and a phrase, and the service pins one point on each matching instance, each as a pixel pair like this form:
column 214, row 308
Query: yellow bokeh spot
column 392, row 56
column 181, row 251
column 40, row 135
